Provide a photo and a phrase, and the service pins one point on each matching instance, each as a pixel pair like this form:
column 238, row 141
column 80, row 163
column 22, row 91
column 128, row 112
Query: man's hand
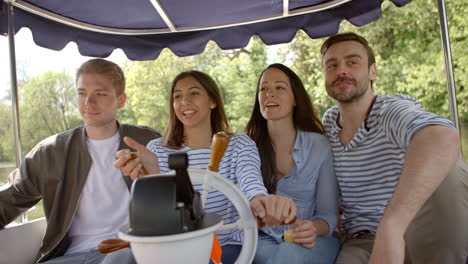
column 273, row 210
column 389, row 247
column 136, row 164
column 305, row 233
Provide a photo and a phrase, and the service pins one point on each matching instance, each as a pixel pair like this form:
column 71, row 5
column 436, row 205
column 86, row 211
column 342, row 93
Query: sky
column 34, row 60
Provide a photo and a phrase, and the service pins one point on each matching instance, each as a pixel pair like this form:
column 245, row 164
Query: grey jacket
column 55, row 170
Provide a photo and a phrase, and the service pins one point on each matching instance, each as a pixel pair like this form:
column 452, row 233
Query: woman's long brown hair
column 174, row 134
column 304, row 119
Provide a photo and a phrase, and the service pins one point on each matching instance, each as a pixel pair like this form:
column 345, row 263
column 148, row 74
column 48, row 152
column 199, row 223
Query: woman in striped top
column 196, row 114
column 297, row 162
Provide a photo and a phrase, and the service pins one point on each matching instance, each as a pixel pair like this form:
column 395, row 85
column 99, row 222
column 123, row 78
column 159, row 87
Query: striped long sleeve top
column 240, row 164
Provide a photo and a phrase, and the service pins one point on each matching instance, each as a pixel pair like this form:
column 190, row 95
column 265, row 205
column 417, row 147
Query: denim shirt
column 311, row 183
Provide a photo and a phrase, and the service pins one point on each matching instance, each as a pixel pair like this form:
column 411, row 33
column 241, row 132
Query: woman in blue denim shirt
column 296, row 161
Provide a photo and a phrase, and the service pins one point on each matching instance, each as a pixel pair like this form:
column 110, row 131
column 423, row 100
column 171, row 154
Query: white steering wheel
column 247, row 221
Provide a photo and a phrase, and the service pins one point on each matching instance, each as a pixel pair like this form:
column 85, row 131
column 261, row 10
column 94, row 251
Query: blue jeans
column 122, row 256
column 230, row 253
column 269, row 251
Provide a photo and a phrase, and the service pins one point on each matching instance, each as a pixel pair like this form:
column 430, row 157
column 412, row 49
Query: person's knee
column 326, row 248
column 122, row 256
column 352, row 255
column 324, row 252
column 355, row 251
column 440, row 226
column 230, row 253
column 266, row 248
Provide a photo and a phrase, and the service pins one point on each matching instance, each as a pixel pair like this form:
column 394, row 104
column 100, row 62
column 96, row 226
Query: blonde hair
column 106, row 68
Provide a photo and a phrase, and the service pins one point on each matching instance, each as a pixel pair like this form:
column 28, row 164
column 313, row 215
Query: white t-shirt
column 103, row 205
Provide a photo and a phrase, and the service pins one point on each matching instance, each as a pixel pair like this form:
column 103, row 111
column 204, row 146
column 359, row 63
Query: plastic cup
column 288, row 233
column 289, row 229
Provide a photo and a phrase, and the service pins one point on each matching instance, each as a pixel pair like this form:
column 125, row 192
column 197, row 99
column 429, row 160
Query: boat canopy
column 143, row 28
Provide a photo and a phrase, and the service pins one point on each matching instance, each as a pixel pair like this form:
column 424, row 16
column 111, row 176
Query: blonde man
column 85, row 198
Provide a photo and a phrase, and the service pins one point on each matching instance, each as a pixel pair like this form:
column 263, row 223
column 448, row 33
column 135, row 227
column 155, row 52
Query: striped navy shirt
column 240, row 164
column 369, row 166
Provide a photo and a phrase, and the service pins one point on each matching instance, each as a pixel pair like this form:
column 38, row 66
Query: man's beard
column 348, row 97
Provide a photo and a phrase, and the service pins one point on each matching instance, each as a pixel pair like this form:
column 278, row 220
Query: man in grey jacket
column 85, row 197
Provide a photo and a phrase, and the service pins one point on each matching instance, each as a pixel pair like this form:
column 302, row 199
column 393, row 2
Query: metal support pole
column 14, row 90
column 444, row 36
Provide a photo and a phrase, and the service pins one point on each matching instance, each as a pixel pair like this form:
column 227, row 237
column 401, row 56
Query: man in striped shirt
column 390, row 157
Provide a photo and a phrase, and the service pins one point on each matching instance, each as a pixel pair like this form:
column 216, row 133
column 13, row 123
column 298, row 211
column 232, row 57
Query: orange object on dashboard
column 216, row 251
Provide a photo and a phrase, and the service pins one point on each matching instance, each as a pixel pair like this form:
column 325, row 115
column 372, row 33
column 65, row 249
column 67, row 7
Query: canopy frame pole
column 14, row 91
column 157, row 5
column 445, row 38
column 285, row 8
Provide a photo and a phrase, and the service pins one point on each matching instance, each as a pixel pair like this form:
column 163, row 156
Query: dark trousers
column 230, row 253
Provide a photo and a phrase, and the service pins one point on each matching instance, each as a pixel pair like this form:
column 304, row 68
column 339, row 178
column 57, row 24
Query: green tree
column 408, row 53
column 7, row 146
column 147, row 89
column 235, row 71
column 410, row 60
column 302, row 54
column 47, row 106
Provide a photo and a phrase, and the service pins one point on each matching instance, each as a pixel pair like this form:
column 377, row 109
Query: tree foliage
column 147, row 85
column 407, row 45
column 7, row 145
column 235, row 72
column 47, row 106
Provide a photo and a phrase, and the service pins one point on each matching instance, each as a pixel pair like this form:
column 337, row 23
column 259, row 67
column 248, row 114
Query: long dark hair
column 304, row 118
column 174, row 134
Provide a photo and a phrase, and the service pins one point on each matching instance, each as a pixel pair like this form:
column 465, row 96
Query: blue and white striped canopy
column 142, row 28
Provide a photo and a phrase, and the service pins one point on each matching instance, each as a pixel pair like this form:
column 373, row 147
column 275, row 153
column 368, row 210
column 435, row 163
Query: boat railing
column 21, row 242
